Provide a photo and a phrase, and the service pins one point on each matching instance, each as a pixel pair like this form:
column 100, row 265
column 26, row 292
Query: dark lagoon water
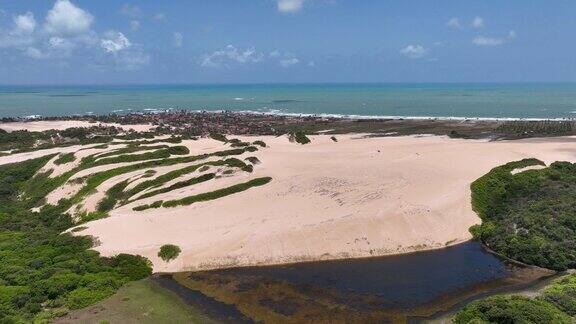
column 403, row 288
column 505, row 100
column 403, row 281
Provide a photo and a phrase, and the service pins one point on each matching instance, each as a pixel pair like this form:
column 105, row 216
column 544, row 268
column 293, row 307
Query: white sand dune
column 351, row 198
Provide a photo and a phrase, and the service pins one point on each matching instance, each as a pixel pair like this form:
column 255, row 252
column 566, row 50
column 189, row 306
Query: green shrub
column 529, row 216
column 169, row 252
column 510, row 309
column 253, row 160
column 41, row 265
column 240, row 144
column 65, row 158
column 259, row 143
column 562, row 294
column 178, row 150
column 299, row 137
column 218, row 137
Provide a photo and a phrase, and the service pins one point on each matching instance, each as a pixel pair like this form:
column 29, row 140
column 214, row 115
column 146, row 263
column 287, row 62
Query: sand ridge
column 360, row 196
column 356, row 197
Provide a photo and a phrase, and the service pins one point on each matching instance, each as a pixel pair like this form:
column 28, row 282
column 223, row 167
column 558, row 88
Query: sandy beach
column 357, row 197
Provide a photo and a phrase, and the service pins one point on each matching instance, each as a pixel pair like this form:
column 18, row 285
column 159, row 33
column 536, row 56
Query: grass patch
column 65, row 158
column 178, row 185
column 113, row 195
column 169, row 252
column 141, row 301
column 208, row 195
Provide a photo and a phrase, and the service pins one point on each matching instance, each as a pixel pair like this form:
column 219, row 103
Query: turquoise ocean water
column 406, row 100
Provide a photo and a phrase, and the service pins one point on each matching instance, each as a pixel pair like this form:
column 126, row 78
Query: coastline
column 298, row 115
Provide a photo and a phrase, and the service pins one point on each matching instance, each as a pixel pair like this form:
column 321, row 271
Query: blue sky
column 260, row 41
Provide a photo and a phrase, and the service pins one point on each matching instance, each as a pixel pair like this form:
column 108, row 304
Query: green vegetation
column 131, row 148
column 141, row 301
column 178, row 185
column 218, row 137
column 113, row 195
column 178, row 150
column 259, row 143
column 64, row 158
column 511, row 309
column 529, row 216
column 299, row 137
column 169, row 252
column 556, row 304
column 253, row 160
column 154, row 155
column 44, row 273
column 162, row 179
column 520, row 129
column 562, row 294
column 240, row 144
column 208, row 195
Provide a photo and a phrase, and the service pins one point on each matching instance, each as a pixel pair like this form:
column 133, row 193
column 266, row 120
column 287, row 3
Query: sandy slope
column 353, row 198
column 39, row 126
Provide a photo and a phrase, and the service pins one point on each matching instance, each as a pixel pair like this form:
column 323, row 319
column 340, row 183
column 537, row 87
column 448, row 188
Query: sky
column 286, row 41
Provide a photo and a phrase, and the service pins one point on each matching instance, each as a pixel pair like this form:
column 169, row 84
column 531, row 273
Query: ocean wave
column 398, row 117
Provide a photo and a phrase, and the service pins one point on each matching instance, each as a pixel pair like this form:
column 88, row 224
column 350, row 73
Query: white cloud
column 25, row 24
column 493, row 41
column 34, row 53
column 67, row 31
column 21, row 34
column 454, row 23
column 59, row 43
column 67, row 19
column 414, row 51
column 288, row 62
column 159, row 16
column 231, row 54
column 178, row 39
column 131, row 10
column 115, row 42
column 275, row 53
column 488, row 41
column 290, row 6
column 135, row 25
column 478, row 22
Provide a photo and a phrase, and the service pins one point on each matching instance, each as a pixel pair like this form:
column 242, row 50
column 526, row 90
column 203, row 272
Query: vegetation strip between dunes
column 208, row 195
